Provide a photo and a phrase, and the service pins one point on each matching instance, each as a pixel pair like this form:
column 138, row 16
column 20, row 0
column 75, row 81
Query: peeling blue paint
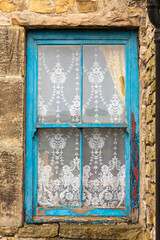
column 127, row 38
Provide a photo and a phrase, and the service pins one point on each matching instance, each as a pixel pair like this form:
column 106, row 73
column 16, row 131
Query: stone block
column 134, row 9
column 8, row 231
column 147, row 170
column 11, row 112
column 85, row 6
column 41, row 6
column 12, row 40
column 153, row 110
column 150, row 153
column 151, row 63
column 153, row 131
column 80, row 231
column 149, row 114
column 39, row 231
column 153, row 172
column 11, row 193
column 153, row 86
column 152, row 189
column 104, row 19
column 5, row 19
column 153, row 98
column 148, row 134
column 150, row 209
column 63, row 5
column 10, row 5
column 147, row 184
column 150, row 51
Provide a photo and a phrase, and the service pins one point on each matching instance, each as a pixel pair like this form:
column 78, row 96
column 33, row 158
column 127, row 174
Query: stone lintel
column 100, row 19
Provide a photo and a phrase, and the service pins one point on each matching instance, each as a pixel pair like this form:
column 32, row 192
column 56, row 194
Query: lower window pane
column 59, row 167
column 104, row 167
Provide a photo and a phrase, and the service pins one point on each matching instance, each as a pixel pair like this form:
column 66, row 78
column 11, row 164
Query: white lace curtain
column 115, row 59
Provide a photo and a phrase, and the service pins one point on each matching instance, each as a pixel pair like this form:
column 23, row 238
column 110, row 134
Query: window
column 81, row 124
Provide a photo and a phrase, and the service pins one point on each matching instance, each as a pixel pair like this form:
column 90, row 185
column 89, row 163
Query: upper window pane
column 104, row 83
column 58, row 83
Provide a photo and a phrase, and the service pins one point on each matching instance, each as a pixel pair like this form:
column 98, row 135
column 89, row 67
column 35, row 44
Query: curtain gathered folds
column 115, row 59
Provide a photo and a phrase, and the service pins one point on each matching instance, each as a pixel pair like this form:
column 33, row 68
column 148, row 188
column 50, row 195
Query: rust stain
column 133, row 125
column 134, row 164
column 136, row 174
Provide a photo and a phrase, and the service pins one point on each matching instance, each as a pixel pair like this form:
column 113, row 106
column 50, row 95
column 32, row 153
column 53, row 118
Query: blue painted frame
column 127, row 38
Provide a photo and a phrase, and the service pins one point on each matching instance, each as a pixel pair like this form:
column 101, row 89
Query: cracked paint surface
column 134, row 172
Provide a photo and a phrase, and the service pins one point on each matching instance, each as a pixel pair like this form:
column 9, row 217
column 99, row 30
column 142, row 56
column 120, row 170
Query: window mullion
column 81, row 167
column 81, row 130
column 81, row 83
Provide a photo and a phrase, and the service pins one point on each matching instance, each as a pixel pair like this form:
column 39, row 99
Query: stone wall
column 16, row 16
column 150, row 163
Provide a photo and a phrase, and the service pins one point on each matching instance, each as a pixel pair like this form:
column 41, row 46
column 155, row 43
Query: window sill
column 110, row 228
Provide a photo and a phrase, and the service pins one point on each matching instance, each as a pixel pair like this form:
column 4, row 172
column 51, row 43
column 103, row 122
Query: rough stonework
column 12, row 125
column 16, row 17
column 99, row 231
column 44, row 230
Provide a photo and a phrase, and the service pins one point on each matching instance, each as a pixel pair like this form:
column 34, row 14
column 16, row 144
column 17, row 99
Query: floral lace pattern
column 104, row 168
column 101, row 100
column 59, row 171
column 58, row 68
column 58, row 168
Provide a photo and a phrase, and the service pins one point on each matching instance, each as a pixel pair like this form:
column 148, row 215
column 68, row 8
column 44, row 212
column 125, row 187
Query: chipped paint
column 134, row 172
column 129, row 39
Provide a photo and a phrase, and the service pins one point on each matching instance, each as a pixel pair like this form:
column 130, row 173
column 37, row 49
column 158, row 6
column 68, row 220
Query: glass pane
column 58, row 167
column 104, row 84
column 104, row 167
column 58, row 83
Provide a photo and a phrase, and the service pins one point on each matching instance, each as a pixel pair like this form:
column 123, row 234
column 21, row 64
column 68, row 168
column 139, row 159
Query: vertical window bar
column 81, row 83
column 35, row 136
column 81, row 131
column 81, row 167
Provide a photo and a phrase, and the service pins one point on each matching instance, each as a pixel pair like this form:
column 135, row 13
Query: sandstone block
column 153, row 86
column 152, row 189
column 153, row 110
column 5, row 19
column 150, row 153
column 99, row 231
column 11, row 194
column 12, row 51
column 134, row 9
column 85, row 6
column 149, row 114
column 39, row 231
column 103, row 18
column 148, row 134
column 11, row 112
column 41, row 6
column 10, row 5
column 153, row 171
column 154, row 98
column 153, row 131
column 63, row 5
column 8, row 231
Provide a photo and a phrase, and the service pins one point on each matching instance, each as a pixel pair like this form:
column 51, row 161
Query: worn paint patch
column 134, row 172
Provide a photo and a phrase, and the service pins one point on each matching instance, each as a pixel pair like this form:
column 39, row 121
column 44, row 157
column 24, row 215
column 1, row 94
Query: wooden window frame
column 127, row 38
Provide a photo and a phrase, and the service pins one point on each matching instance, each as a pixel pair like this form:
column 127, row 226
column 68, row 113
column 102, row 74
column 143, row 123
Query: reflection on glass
column 58, row 84
column 58, row 167
column 104, row 167
column 104, row 84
